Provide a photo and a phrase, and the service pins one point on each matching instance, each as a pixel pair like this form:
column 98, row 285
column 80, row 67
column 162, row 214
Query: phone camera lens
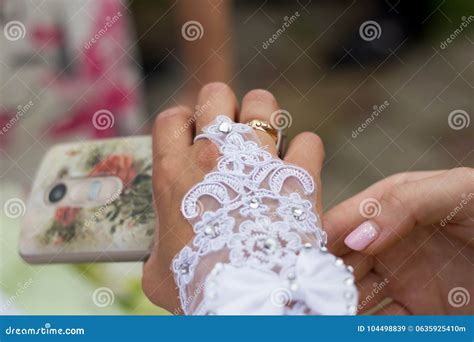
column 57, row 193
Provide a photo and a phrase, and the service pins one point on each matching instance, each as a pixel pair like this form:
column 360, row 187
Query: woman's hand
column 418, row 248
column 178, row 164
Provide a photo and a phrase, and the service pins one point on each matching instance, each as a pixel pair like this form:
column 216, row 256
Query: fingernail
column 362, row 236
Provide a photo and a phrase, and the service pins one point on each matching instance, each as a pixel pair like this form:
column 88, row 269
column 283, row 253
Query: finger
column 214, row 99
column 260, row 104
column 423, row 202
column 306, row 150
column 172, row 131
column 372, row 290
column 344, row 217
column 361, row 263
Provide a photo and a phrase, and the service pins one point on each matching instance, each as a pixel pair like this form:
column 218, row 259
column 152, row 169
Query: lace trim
column 245, row 212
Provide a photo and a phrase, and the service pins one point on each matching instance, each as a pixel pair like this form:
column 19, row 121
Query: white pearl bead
column 352, row 309
column 294, row 286
column 225, row 127
column 348, row 295
column 349, row 281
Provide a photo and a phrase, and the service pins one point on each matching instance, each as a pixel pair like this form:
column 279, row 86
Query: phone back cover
column 119, row 230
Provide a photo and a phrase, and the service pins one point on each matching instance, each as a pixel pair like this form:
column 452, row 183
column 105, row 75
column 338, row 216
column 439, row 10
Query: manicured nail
column 362, row 236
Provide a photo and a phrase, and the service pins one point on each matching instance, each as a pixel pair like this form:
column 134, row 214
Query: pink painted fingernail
column 362, row 236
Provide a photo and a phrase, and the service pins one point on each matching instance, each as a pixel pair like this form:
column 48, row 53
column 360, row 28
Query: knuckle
column 260, row 95
column 310, row 141
column 393, row 199
column 463, row 172
column 465, row 175
column 164, row 172
column 170, row 112
column 207, row 155
column 169, row 115
column 214, row 88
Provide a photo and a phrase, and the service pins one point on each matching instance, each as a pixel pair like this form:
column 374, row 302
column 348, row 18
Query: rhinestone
column 307, row 245
column 291, row 276
column 270, row 244
column 350, row 268
column 324, row 249
column 339, row 262
column 210, row 231
column 348, row 295
column 184, row 269
column 225, row 127
column 294, row 286
column 297, row 213
column 254, row 203
column 349, row 281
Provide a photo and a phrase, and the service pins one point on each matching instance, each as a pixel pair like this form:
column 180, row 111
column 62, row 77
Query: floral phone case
column 119, row 230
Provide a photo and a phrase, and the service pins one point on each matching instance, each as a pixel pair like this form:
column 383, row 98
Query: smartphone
column 91, row 202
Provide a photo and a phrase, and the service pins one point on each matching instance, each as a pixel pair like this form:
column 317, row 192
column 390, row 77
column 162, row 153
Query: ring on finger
column 276, row 134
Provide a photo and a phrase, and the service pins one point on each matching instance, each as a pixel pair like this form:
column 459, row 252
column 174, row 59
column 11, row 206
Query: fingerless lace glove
column 258, row 247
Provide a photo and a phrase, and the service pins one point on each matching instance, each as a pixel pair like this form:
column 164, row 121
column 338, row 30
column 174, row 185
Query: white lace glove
column 258, row 246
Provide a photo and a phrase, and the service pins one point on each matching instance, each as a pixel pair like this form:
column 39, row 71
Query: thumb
column 438, row 200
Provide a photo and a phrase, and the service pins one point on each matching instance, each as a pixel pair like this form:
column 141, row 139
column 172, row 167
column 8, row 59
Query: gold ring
column 278, row 135
column 264, row 126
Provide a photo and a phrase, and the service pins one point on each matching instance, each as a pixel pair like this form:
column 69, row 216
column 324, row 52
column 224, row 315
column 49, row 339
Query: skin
column 178, row 164
column 412, row 205
column 421, row 255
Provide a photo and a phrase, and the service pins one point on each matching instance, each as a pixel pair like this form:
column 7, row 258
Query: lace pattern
column 256, row 233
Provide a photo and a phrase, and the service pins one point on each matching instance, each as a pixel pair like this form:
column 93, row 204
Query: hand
column 417, row 248
column 178, row 164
